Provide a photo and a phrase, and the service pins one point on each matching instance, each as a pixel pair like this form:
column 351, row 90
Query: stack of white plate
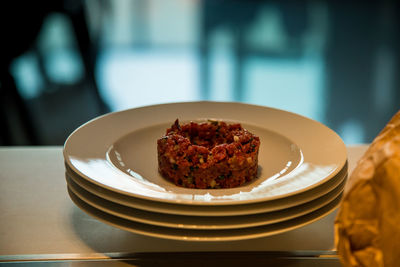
column 112, row 174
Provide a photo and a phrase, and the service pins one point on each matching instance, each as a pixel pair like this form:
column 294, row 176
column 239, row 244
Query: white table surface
column 38, row 221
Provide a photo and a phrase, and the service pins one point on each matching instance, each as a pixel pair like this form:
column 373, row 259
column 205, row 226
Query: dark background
column 66, row 62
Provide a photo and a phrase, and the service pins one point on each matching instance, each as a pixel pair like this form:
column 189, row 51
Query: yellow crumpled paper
column 367, row 227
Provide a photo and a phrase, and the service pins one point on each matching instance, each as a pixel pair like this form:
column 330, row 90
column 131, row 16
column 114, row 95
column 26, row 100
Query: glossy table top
column 38, row 221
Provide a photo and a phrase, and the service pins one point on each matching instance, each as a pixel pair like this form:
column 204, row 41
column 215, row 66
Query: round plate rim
column 225, row 210
column 114, row 209
column 67, row 146
column 184, row 236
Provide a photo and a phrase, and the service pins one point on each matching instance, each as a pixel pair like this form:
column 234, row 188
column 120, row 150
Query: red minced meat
column 212, row 154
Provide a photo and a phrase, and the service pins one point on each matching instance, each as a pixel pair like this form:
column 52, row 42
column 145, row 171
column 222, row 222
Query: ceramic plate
column 118, row 151
column 204, row 235
column 217, row 210
column 205, row 222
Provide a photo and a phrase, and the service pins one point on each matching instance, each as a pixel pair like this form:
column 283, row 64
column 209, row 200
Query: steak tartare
column 212, row 154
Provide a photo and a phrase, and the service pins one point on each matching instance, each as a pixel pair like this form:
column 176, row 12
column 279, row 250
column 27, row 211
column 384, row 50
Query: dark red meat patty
column 212, row 154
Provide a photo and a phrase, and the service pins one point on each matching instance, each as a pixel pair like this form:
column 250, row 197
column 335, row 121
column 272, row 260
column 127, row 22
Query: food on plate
column 367, row 227
column 211, row 154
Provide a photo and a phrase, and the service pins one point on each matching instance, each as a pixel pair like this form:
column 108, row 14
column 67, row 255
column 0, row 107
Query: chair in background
column 20, row 24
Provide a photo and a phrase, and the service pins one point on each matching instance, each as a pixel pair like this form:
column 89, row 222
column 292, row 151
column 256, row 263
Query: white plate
column 218, row 210
column 197, row 222
column 118, row 152
column 204, row 235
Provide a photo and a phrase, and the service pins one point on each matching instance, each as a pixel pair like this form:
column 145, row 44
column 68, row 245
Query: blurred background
column 66, row 62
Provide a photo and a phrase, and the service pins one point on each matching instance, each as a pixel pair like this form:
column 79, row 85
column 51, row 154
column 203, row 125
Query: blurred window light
column 220, row 71
column 132, row 78
column 293, row 85
column 27, row 77
column 384, row 89
column 352, row 132
column 64, row 66
column 267, row 31
column 57, row 46
column 173, row 22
